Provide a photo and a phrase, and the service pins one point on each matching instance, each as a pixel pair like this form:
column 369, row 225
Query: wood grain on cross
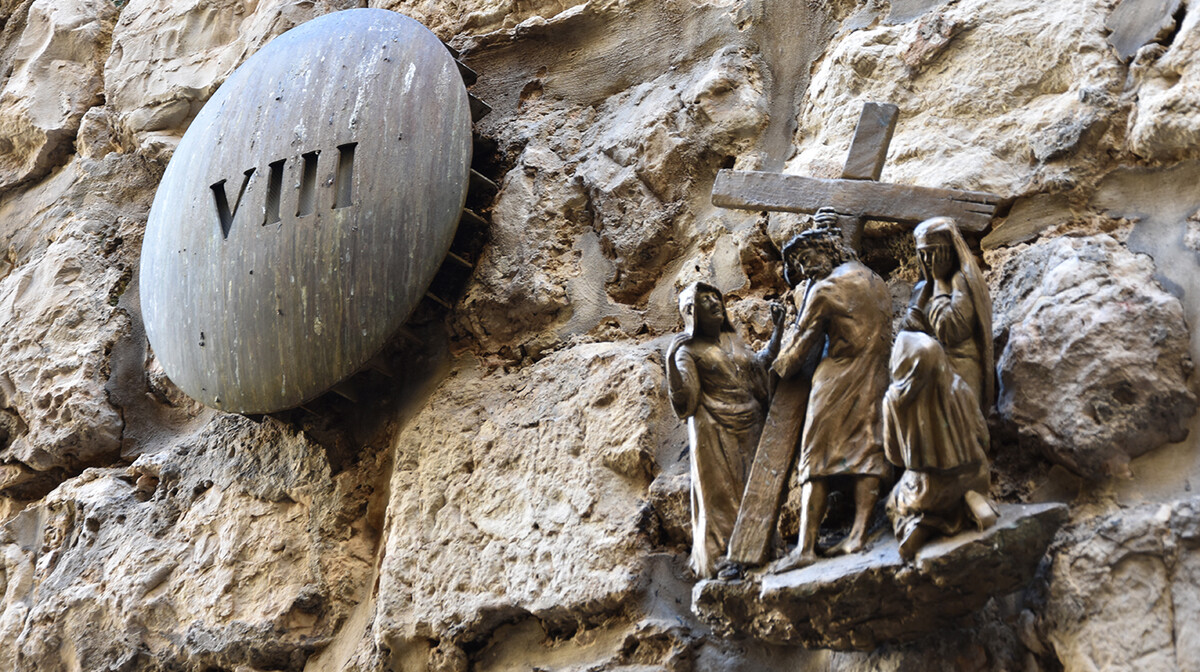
column 858, row 196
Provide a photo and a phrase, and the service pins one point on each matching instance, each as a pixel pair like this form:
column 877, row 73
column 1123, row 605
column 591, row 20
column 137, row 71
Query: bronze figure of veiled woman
column 952, row 304
column 933, row 428
column 720, row 386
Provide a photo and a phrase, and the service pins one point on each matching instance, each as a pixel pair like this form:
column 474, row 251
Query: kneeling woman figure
column 933, row 428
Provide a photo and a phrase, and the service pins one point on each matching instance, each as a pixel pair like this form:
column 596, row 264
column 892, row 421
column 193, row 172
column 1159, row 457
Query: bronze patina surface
column 306, row 211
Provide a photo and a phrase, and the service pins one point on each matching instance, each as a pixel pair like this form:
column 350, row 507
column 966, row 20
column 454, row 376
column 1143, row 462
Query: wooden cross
column 858, row 196
column 858, row 193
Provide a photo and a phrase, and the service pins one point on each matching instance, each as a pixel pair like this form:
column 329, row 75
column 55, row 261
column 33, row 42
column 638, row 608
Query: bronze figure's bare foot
column 851, row 544
column 913, row 541
column 981, row 510
column 793, row 560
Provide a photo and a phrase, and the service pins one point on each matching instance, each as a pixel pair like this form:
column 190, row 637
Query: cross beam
column 752, row 190
column 857, row 194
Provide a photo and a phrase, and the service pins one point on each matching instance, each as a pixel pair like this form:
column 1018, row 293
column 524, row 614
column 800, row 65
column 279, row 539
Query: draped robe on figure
column 849, row 314
column 934, row 429
column 962, row 319
column 723, row 395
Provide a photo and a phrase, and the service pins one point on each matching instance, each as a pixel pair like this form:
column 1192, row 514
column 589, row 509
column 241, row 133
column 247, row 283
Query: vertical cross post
column 868, row 151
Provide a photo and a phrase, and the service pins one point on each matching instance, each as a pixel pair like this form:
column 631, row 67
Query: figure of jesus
column 845, row 312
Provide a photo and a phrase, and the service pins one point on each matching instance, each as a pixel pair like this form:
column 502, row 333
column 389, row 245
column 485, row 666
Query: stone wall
column 518, row 499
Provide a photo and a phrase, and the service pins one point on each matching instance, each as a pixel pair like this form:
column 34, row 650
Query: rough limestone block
column 977, row 82
column 69, row 241
column 1123, row 591
column 167, row 58
column 505, row 500
column 235, row 548
column 56, row 77
column 867, row 599
column 1166, row 123
column 1096, row 369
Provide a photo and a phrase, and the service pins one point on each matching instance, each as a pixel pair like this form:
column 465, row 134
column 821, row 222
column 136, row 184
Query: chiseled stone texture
column 593, row 213
column 168, row 57
column 518, row 494
column 234, row 547
column 991, row 94
column 1165, row 124
column 448, row 18
column 72, row 245
column 1096, row 367
column 1125, row 591
column 611, row 118
column 56, row 76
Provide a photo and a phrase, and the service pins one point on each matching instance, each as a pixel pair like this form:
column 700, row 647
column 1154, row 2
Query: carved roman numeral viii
column 343, row 188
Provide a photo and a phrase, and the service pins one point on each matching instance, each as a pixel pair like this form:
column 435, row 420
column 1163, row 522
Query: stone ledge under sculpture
column 864, row 600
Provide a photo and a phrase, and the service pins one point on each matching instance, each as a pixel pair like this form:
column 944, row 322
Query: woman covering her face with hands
column 951, row 303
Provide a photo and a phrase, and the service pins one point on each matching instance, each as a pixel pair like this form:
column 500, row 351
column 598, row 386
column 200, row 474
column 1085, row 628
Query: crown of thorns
column 818, row 236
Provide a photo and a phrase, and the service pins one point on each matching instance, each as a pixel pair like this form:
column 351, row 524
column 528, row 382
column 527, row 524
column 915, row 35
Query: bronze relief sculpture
column 933, row 428
column 845, row 313
column 839, row 409
column 720, row 386
column 941, row 390
column 929, row 421
column 952, row 304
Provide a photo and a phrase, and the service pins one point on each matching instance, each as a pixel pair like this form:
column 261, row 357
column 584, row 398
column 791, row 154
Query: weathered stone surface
column 1165, row 124
column 512, row 495
column 96, row 137
column 1125, row 591
column 518, row 289
column 1096, row 368
column 72, row 248
column 167, row 58
column 580, row 235
column 478, row 16
column 234, row 547
column 606, row 214
column 56, row 77
column 982, row 88
column 864, row 600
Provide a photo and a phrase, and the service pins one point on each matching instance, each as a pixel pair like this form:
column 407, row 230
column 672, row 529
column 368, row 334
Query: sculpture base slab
column 860, row 601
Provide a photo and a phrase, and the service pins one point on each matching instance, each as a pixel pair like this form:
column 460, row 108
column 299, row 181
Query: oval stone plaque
column 305, row 211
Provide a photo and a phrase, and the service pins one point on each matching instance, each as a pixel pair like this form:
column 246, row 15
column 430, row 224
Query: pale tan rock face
column 538, row 213
column 1125, row 593
column 595, row 209
column 530, row 511
column 518, row 494
column 56, row 77
column 1096, row 367
column 1165, row 124
column 476, row 16
column 990, row 94
column 72, row 251
column 234, row 547
column 167, row 58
